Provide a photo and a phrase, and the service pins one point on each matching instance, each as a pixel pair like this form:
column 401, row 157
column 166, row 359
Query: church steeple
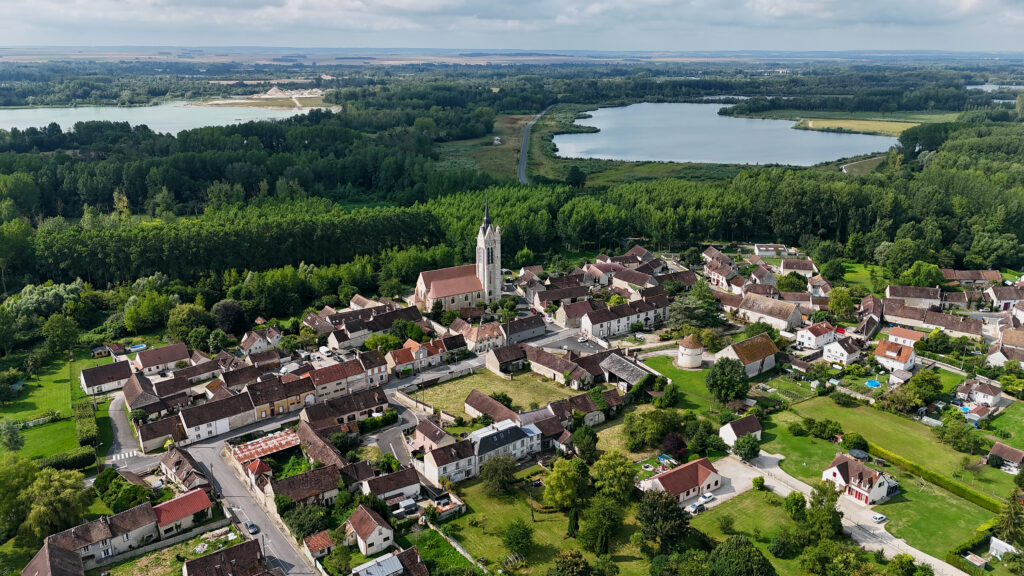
column 487, row 216
column 488, row 257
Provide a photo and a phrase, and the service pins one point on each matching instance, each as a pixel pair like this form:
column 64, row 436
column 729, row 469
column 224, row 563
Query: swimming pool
column 965, row 409
column 872, row 383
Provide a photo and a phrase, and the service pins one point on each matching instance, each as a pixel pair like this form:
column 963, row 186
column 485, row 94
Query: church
column 462, row 286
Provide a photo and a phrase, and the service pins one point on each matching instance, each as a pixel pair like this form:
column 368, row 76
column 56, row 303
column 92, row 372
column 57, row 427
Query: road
column 124, row 445
column 526, row 146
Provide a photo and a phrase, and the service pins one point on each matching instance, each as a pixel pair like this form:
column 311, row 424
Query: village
column 267, row 449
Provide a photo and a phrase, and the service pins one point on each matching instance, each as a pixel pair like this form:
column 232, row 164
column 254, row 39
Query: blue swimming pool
column 872, row 383
column 965, row 409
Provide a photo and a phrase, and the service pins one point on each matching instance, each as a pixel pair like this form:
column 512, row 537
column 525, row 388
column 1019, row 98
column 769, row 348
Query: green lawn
column 806, row 457
column 525, row 389
column 492, row 514
column 950, row 380
column 860, row 275
column 1011, row 420
column 754, row 514
column 48, row 439
column 788, row 390
column 50, row 388
column 694, row 394
column 98, row 508
column 435, row 551
column 905, row 437
column 612, row 438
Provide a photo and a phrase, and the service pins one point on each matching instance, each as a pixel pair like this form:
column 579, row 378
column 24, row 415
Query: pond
column 696, row 133
column 171, row 117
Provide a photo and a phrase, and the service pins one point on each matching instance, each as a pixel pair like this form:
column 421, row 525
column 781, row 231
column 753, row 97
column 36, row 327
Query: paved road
column 124, row 443
column 526, row 146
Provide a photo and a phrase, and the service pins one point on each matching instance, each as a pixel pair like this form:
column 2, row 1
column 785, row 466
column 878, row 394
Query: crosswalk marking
column 124, row 456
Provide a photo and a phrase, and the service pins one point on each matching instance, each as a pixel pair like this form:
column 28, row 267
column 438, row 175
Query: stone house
column 273, row 396
column 757, row 354
column 368, row 531
column 317, row 486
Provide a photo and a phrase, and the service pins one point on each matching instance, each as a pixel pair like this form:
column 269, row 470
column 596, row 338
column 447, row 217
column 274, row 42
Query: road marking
column 124, row 456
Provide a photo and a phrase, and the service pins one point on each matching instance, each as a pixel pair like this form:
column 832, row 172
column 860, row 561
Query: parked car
column 706, row 497
column 581, row 339
column 251, row 528
column 695, row 509
column 879, row 518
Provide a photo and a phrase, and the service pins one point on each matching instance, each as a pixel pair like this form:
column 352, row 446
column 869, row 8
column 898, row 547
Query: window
column 369, row 545
column 386, row 538
column 107, row 553
column 197, row 429
column 125, row 537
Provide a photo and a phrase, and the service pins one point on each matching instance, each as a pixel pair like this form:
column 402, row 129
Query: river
column 696, row 133
column 171, row 117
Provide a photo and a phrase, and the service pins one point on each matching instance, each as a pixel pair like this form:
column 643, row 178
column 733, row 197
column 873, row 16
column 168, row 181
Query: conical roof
column 691, row 342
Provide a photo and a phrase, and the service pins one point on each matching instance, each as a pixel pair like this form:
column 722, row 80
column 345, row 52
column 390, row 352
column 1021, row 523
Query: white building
column 842, row 351
column 367, row 530
column 893, row 356
column 456, row 462
column 816, row 335
column 858, row 481
column 685, row 482
column 504, row 438
column 105, row 378
column 691, row 353
column 757, row 354
column 905, row 336
column 740, row 427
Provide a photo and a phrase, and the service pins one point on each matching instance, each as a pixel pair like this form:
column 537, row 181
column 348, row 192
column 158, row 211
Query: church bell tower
column 488, row 257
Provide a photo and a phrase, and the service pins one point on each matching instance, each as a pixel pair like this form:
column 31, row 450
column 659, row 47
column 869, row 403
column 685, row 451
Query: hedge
column 377, row 422
column 959, row 489
column 955, row 556
column 86, row 430
column 77, row 459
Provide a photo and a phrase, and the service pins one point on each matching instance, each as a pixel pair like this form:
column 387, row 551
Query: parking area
column 570, row 343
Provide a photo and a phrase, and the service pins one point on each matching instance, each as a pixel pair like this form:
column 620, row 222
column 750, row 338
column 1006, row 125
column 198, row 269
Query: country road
column 526, row 146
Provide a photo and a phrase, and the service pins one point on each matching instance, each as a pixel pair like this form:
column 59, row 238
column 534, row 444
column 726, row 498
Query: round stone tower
column 691, row 352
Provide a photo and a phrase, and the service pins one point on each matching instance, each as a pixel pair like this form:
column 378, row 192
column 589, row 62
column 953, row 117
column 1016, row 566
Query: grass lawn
column 806, row 456
column 751, row 511
column 435, row 551
column 48, row 439
column 50, row 388
column 788, row 390
column 866, row 166
column 695, row 395
column 98, row 508
column 905, row 437
column 1011, row 420
column 928, row 518
column 612, row 438
column 950, row 380
column 524, row 389
column 163, row 562
column 860, row 275
column 492, row 514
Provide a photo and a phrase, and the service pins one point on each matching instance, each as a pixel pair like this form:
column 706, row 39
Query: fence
column 421, row 407
column 163, row 543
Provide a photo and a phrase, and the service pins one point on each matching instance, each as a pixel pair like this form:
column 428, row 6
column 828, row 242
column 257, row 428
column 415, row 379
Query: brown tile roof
column 245, row 559
column 486, row 405
column 215, row 410
column 854, row 472
column 720, row 268
column 691, row 342
column 394, row 481
column 612, row 397
column 451, row 281
column 820, row 329
column 550, row 427
column 106, row 373
column 972, row 275
column 963, row 324
column 184, row 467
column 563, row 293
column 795, row 264
column 411, row 562
column 452, row 453
column 336, row 372
column 242, row 376
column 633, row 277
column 1007, row 292
column 548, row 360
column 973, row 385
column 871, row 305
column 319, row 448
column 164, row 355
column 302, row 487
column 170, row 426
column 755, row 349
column 52, row 560
column 431, row 431
column 684, row 277
column 182, row 507
column 686, row 477
column 1007, row 453
column 318, row 542
column 273, row 389
column 105, row 527
column 357, row 472
column 893, row 351
column 364, row 522
column 895, row 308
column 520, row 325
column 745, row 425
column 917, row 292
column 1013, row 338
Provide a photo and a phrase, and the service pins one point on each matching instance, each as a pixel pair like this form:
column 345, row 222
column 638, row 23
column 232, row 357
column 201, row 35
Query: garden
column 527, row 390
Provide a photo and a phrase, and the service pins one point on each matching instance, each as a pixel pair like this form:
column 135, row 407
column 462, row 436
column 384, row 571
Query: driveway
column 857, row 520
column 124, row 446
column 737, row 478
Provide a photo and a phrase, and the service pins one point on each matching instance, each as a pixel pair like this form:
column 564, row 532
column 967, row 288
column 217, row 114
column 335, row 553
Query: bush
column 995, row 461
column 377, row 422
column 987, row 502
column 86, row 430
column 844, row 400
column 77, row 459
column 797, row 429
column 955, row 555
column 758, row 483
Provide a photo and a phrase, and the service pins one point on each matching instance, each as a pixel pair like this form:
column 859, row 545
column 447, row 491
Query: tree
column 307, row 520
column 1010, row 522
column 584, row 441
column 747, row 447
column 499, row 474
column 338, row 562
column 524, row 257
column 229, row 316
column 184, row 318
column 792, row 282
column 674, row 445
column 613, row 475
column 61, row 333
column 388, row 463
column 795, row 505
column 901, row 565
column 16, row 239
column 570, row 563
column 737, row 556
column 576, row 178
column 599, row 523
column 8, row 331
column 841, row 303
column 502, row 398
column 383, row 341
column 662, row 520
column 1018, row 479
column 761, row 327
column 56, row 500
column 16, row 472
column 824, row 521
column 922, row 274
column 517, row 537
column 727, row 380
column 833, row 270
column 10, row 435
column 567, row 485
column 218, row 341
column 146, row 311
column 854, row 441
column 693, row 309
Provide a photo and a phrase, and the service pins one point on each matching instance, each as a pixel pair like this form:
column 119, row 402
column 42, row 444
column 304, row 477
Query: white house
column 367, row 530
column 740, row 427
column 770, row 250
column 456, row 462
column 405, row 483
column 685, row 482
column 1013, row 458
column 893, row 356
column 905, row 336
column 804, row 268
column 858, row 481
column 915, row 296
column 504, row 438
column 842, row 351
column 984, row 393
column 105, row 378
column 1004, row 297
column 778, row 314
column 757, row 354
column 157, row 360
column 261, row 340
column 816, row 335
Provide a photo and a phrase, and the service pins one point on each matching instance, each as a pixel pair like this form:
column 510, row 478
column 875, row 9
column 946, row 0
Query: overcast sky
column 985, row 25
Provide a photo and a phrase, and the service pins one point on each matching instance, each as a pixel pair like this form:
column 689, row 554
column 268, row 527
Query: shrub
column 844, row 400
column 377, row 422
column 797, row 429
column 758, row 483
column 995, row 460
column 77, row 459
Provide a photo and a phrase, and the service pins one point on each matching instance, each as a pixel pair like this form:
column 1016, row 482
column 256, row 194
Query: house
column 763, row 276
column 984, row 393
column 972, row 277
column 274, row 396
column 261, row 340
column 816, row 336
column 480, row 338
column 719, row 273
column 178, row 466
column 568, row 409
column 559, row 296
column 1013, row 459
column 556, row 368
column 105, row 378
column 998, row 354
column 183, row 513
column 461, row 286
column 343, row 378
column 738, row 284
column 778, row 314
column 217, row 417
column 569, row 315
column 506, row 360
column 770, row 250
column 54, row 561
column 904, row 336
column 477, row 404
column 317, row 486
column 405, row 563
column 154, row 435
column 858, row 481
column 318, row 545
column 522, row 329
column 109, row 536
column 633, row 280
column 1004, row 297
column 245, row 559
column 156, row 397
column 893, row 356
column 954, row 325
column 268, row 359
column 317, row 446
column 346, row 409
column 818, row 286
column 712, row 254
column 156, row 360
column 367, row 530
column 504, row 438
column 687, row 481
column 624, row 373
column 757, row 354
column 804, row 268
column 429, row 436
column 608, row 322
column 843, row 351
column 601, row 274
column 413, row 356
column 456, row 462
column 685, row 278
column 916, row 296
column 404, row 483
column 730, row 431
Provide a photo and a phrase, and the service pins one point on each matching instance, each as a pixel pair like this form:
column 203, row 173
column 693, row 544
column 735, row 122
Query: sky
column 619, row 25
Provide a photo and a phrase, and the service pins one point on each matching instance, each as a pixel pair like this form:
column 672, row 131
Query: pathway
column 857, row 520
column 526, row 146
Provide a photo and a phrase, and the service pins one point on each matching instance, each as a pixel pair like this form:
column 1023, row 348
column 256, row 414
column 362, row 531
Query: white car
column 879, row 518
column 706, row 497
column 582, row 339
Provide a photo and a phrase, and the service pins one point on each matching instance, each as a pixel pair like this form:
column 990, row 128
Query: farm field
column 525, row 389
column 492, row 514
column 310, row 101
column 919, row 117
column 879, row 127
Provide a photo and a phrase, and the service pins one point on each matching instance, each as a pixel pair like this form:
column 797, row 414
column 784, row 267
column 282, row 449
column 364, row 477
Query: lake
column 696, row 133
column 170, row 117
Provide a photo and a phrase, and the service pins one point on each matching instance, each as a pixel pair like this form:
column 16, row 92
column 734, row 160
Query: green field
column 865, row 166
column 434, row 550
column 806, row 457
column 501, row 161
column 694, row 394
column 50, row 388
column 48, row 439
column 612, row 438
column 860, row 275
column 1011, row 421
column 525, row 389
column 919, row 117
column 492, row 514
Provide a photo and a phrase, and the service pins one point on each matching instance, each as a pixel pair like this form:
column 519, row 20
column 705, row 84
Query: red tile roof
column 318, row 542
column 257, row 467
column 265, row 446
column 686, row 477
column 181, row 507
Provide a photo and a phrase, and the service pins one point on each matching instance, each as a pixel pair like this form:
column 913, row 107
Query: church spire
column 487, row 214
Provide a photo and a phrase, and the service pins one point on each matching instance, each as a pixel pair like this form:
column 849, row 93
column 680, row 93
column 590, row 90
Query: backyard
column 48, row 439
column 611, row 436
column 50, row 388
column 164, row 562
column 690, row 383
column 479, row 530
column 525, row 389
column 1011, row 421
column 435, row 551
